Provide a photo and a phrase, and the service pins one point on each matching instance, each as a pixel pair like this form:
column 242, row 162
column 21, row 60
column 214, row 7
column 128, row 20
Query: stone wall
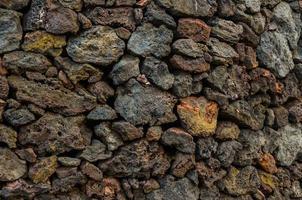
column 150, row 99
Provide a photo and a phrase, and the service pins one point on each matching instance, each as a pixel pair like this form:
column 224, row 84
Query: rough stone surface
column 127, row 131
column 103, row 112
column 18, row 117
column 8, row 136
column 226, row 30
column 43, row 169
column 194, row 29
column 197, row 65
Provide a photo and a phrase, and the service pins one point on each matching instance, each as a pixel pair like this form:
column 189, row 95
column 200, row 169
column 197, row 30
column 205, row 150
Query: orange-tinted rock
column 197, row 65
column 195, row 29
column 268, row 163
column 198, row 115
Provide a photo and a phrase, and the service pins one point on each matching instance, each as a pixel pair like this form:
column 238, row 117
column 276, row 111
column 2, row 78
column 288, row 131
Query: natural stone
column 222, row 52
column 206, row 148
column 18, row 117
column 154, row 133
column 227, row 131
column 268, row 163
column 226, row 8
column 99, row 45
column 102, row 112
column 43, row 42
column 92, row 171
column 226, row 30
column 46, row 96
column 209, row 175
column 197, row 65
column 144, row 105
column 227, row 151
column 66, row 184
column 179, row 139
column 182, row 164
column 127, row 131
column 281, row 116
column 95, row 2
column 185, row 84
column 74, row 5
column 53, row 133
column 11, row 167
column 247, row 55
column 188, row 47
column 157, row 15
column 194, row 29
column 126, row 68
column 4, row 87
column 198, row 115
column 295, row 111
column 34, row 19
column 69, row 161
column 10, row 31
column 43, row 169
column 107, row 189
column 157, row 71
column 8, row 136
column 14, row 4
column 96, row 151
column 151, row 185
column 101, row 90
column 156, row 41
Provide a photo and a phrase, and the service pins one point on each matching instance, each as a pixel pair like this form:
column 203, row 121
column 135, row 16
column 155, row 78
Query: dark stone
column 18, row 117
column 157, row 15
column 206, row 148
column 127, row 131
column 102, row 112
column 96, row 151
column 194, row 29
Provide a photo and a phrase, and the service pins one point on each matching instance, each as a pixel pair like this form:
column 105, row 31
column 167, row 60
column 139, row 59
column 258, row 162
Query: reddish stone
column 195, row 29
column 92, row 171
column 268, row 163
column 197, row 65
column 247, row 56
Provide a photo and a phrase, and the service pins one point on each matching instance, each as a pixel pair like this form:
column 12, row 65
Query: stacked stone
column 150, row 99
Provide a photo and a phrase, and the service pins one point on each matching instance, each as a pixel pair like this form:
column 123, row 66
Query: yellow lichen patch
column 198, row 115
column 268, row 179
column 41, row 171
column 43, row 42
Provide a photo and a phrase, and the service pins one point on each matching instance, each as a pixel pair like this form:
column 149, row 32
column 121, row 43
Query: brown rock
column 101, row 90
column 154, row 133
column 227, row 130
column 295, row 111
column 4, row 87
column 151, row 185
column 247, row 56
column 182, row 164
column 27, row 154
column 127, row 131
column 84, row 21
column 92, row 171
column 8, row 136
column 208, row 175
column 195, row 29
column 198, row 115
column 197, row 65
column 268, row 163
column 42, row 170
column 114, row 17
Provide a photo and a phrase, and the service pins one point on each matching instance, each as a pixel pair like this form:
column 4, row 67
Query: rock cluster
column 150, row 99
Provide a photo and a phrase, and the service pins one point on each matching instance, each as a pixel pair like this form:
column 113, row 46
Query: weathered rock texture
column 150, row 99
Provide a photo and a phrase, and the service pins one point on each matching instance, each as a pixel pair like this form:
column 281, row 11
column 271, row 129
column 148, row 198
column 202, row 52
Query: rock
column 274, row 53
column 123, row 33
column 206, row 148
column 126, row 68
column 144, row 105
column 226, row 30
column 18, row 62
column 187, row 47
column 101, row 90
column 43, row 169
column 200, row 8
column 95, row 2
column 226, row 8
column 109, row 137
column 11, row 167
column 268, row 163
column 198, row 115
column 102, row 112
column 96, row 151
column 244, row 115
column 179, row 139
column 11, row 30
column 182, row 164
column 84, row 22
column 227, row 151
column 114, row 17
column 247, row 56
column 27, row 154
column 92, row 171
column 8, row 136
column 281, row 116
column 4, row 87
column 69, row 161
column 185, row 84
column 157, row 71
column 197, row 65
column 14, row 4
column 154, row 133
column 295, row 111
column 127, row 131
column 47, row 96
column 249, row 36
column 209, row 175
column 150, row 186
column 222, row 52
column 227, row 131
column 125, row 2
column 194, row 29
column 99, row 45
column 289, row 144
column 34, row 19
column 137, row 159
column 53, row 133
column 175, row 189
column 216, row 96
column 74, row 5
column 18, row 117
column 43, row 42
column 66, row 184
column 157, row 15
column 241, row 182
column 108, row 189
column 61, row 20
column 156, row 41
column 253, row 6
column 78, row 72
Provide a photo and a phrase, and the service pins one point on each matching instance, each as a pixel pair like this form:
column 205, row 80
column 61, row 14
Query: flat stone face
column 10, row 30
column 14, row 4
column 144, row 105
column 99, row 45
column 45, row 96
column 156, row 41
column 194, row 29
column 12, row 168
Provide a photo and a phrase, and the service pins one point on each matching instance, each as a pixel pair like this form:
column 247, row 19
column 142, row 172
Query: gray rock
column 206, row 148
column 222, row 52
column 182, row 189
column 199, row 8
column 144, row 105
column 95, row 152
column 102, row 112
column 11, row 167
column 66, row 184
column 8, row 136
column 227, row 151
column 14, row 4
column 157, row 15
column 34, row 19
column 69, row 161
column 157, row 71
column 252, row 6
column 184, row 84
column 156, row 41
column 74, row 5
column 18, row 117
column 226, row 30
column 125, row 69
column 10, row 30
column 109, row 137
column 20, row 61
column 127, row 131
column 179, row 139
column 188, row 47
column 99, row 45
column 95, row 2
